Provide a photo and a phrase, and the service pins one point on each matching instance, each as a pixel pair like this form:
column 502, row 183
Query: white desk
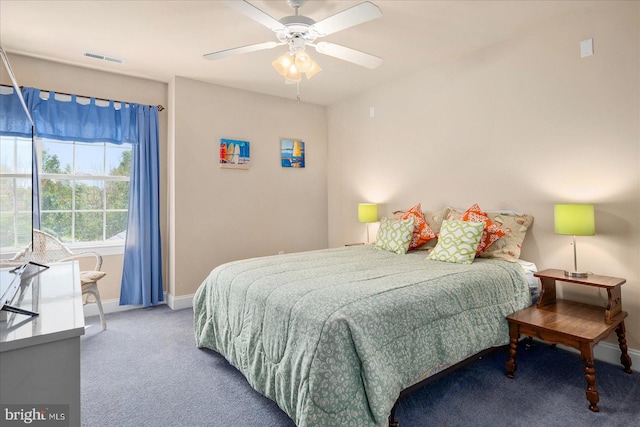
column 40, row 356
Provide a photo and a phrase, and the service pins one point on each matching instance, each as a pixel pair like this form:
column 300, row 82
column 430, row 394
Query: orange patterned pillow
column 422, row 233
column 492, row 230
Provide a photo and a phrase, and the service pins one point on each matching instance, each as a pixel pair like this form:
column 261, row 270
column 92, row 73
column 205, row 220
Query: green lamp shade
column 575, row 220
column 367, row 212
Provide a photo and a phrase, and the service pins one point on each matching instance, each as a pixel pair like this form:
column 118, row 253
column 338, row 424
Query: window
column 84, row 190
column 15, row 191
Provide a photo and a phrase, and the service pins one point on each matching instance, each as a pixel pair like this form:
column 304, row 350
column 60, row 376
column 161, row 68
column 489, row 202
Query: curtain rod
column 160, row 107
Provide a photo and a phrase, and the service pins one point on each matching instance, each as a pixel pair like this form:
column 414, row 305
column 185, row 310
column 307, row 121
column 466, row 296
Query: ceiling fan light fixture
column 315, row 69
column 291, row 67
column 283, row 64
column 303, row 61
column 292, row 74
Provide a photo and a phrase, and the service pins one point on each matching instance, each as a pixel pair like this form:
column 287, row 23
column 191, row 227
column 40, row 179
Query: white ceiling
column 162, row 39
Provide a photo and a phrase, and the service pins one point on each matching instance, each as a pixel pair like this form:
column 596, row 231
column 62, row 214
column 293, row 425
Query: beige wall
column 220, row 215
column 223, row 214
column 521, row 125
column 54, row 76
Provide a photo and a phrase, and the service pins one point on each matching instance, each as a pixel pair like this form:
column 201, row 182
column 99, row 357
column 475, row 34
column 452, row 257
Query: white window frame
column 104, row 248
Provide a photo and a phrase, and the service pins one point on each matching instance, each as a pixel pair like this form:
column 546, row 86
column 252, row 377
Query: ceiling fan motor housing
column 297, row 32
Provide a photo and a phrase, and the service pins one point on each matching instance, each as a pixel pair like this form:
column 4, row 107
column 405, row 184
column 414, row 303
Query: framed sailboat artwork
column 234, row 154
column 292, row 153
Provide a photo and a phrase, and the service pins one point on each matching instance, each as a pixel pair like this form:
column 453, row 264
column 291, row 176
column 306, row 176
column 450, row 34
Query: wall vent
column 103, row 57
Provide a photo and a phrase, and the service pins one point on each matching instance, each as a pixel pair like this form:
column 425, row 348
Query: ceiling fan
column 299, row 31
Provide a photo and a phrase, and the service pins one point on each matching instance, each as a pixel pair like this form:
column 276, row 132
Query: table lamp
column 368, row 213
column 575, row 220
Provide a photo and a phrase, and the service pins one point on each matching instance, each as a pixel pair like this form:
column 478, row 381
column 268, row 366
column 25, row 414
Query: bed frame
column 466, row 362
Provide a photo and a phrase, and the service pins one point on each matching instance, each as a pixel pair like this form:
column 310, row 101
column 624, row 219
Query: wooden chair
column 47, row 249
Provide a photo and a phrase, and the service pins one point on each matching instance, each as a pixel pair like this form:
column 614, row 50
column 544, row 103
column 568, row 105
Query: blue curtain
column 142, row 271
column 13, row 119
column 72, row 121
column 135, row 124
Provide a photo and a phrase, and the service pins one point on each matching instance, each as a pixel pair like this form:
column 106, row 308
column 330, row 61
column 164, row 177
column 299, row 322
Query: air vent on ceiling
column 103, row 57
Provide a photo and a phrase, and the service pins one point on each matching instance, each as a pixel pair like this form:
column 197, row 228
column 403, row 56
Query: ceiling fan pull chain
column 298, row 95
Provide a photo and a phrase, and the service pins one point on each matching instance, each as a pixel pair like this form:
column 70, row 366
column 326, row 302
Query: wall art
column 292, row 153
column 234, row 154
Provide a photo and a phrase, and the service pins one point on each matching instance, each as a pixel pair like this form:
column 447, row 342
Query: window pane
column 56, row 194
column 57, row 157
column 23, row 192
column 6, row 195
column 89, row 159
column 7, row 237
column 88, row 226
column 57, row 224
column 89, row 195
column 118, row 160
column 7, row 151
column 116, row 226
column 117, row 194
column 24, row 159
column 24, row 229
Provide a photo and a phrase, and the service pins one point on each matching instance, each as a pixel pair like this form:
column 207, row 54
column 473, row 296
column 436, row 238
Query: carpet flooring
column 145, row 370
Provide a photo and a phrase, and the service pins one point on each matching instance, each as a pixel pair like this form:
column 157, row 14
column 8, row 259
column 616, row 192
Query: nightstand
column 573, row 324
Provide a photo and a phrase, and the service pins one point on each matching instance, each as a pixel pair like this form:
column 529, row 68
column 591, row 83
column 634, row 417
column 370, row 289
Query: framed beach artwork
column 234, row 154
column 292, row 153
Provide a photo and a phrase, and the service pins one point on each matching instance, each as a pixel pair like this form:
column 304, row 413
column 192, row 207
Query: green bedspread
column 334, row 335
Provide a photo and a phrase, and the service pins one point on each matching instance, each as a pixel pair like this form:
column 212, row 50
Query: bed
column 335, row 335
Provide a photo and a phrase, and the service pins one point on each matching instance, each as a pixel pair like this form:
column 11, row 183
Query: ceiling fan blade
column 355, row 15
column 348, row 54
column 254, row 13
column 241, row 50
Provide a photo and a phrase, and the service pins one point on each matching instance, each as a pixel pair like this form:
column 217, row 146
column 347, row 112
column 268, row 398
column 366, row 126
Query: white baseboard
column 178, row 303
column 610, row 353
column 113, row 305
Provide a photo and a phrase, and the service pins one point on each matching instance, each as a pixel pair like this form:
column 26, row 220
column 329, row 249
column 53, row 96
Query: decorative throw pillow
column 394, row 235
column 422, row 233
column 492, row 231
column 458, row 241
column 515, row 226
column 434, row 220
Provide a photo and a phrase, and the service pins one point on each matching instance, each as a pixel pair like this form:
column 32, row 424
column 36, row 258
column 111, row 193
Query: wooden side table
column 573, row 324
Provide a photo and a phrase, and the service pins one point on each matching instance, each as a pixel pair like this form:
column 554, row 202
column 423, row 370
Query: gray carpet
column 145, row 370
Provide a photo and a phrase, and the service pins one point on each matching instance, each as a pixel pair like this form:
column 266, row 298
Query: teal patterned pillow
column 458, row 241
column 394, row 235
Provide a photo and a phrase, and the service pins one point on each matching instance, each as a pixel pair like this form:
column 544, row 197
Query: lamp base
column 580, row 274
